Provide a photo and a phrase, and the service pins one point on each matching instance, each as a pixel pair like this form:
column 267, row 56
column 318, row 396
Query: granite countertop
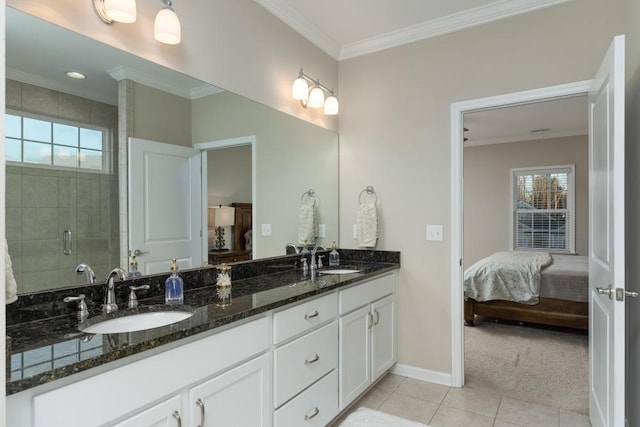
column 44, row 343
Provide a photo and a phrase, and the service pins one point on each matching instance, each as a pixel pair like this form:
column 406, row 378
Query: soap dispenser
column 133, row 267
column 334, row 256
column 173, row 286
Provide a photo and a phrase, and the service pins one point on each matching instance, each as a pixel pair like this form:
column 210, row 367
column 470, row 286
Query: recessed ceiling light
column 75, row 75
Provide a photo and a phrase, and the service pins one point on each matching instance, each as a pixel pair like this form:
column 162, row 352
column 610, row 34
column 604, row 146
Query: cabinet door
column 383, row 337
column 355, row 370
column 165, row 414
column 239, row 397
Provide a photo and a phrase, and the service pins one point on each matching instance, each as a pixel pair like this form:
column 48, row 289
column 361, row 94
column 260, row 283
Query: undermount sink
column 123, row 321
column 339, row 271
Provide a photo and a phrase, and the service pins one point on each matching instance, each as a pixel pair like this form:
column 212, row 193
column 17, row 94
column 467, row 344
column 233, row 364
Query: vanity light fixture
column 166, row 27
column 314, row 97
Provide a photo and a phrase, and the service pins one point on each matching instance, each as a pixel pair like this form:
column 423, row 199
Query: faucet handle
column 133, row 299
column 83, row 311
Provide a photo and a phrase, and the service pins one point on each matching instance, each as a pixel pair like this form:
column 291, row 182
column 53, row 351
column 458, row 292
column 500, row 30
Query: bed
column 561, row 299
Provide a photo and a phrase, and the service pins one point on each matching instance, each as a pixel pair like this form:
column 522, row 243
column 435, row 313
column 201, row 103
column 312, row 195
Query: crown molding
column 121, row 72
column 302, row 25
column 498, row 10
column 458, row 21
column 523, row 138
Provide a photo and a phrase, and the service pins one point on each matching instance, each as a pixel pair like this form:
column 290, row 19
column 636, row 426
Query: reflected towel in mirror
column 307, row 224
column 11, row 287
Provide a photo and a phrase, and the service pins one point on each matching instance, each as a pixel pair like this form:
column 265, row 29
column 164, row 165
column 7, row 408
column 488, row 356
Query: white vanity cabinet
column 367, row 335
column 305, row 360
column 165, row 414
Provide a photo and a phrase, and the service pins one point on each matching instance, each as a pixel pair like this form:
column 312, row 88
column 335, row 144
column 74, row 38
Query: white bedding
column 510, row 276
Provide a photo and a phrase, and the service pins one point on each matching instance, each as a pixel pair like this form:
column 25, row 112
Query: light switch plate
column 322, row 230
column 266, row 229
column 434, row 232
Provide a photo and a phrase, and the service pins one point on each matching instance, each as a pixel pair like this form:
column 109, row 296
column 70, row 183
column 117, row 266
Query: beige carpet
column 540, row 366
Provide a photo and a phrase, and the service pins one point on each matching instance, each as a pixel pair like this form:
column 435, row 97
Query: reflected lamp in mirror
column 223, row 216
column 314, row 97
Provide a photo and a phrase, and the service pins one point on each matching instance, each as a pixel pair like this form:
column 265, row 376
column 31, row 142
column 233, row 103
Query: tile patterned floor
column 441, row 406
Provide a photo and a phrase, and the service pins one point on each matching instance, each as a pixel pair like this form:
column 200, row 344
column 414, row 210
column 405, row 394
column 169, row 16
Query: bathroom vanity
column 288, row 350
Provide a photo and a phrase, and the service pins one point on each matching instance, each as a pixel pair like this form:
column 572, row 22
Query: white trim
column 228, row 143
column 522, row 138
column 468, row 18
column 422, row 374
column 457, row 111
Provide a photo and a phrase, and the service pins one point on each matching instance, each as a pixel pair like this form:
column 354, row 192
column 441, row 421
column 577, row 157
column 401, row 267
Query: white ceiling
column 346, row 29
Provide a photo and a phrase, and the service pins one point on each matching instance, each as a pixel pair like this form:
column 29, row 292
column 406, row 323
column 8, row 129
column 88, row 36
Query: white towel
column 307, row 224
column 367, row 225
column 365, row 417
column 10, row 285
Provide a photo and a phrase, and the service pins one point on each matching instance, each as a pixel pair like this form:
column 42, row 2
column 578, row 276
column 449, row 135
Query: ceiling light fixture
column 75, row 75
column 166, row 27
column 314, row 97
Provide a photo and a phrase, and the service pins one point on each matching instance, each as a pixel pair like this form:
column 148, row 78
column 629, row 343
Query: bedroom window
column 543, row 216
column 57, row 144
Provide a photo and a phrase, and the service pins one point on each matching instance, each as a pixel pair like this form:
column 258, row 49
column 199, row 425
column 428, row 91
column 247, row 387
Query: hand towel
column 367, row 225
column 307, row 224
column 10, row 285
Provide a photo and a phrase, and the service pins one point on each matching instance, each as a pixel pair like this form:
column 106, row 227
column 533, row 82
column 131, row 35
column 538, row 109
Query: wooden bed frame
column 554, row 312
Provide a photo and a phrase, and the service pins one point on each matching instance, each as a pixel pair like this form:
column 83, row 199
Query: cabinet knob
column 200, row 403
column 312, row 360
column 311, row 316
column 315, row 412
column 176, row 415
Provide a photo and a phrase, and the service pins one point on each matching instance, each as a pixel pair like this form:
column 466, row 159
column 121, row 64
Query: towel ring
column 309, row 196
column 369, row 191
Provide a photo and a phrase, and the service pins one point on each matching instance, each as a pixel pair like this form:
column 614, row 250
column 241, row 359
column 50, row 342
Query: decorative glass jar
column 223, row 284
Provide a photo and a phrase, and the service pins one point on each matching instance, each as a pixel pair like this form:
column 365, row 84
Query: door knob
column 138, row 252
column 606, row 291
column 632, row 294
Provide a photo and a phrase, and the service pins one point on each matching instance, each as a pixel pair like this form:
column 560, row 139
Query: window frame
column 571, row 193
column 107, row 143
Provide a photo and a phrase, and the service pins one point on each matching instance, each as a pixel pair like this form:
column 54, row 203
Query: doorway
column 457, row 134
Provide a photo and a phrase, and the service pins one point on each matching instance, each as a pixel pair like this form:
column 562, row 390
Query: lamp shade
column 331, row 107
column 224, row 216
column 316, row 97
column 121, row 10
column 300, row 89
column 166, row 28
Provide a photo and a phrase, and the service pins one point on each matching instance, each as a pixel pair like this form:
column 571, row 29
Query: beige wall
column 633, row 207
column 236, row 45
column 487, row 189
column 229, row 175
column 395, row 135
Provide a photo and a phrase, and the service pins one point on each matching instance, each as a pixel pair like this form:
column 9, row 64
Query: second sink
column 138, row 320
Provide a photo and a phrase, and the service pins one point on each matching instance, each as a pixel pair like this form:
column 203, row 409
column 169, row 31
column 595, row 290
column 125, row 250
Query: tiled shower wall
column 42, row 203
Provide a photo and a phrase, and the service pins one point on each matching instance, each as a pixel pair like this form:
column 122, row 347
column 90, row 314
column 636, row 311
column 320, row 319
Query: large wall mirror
column 66, row 167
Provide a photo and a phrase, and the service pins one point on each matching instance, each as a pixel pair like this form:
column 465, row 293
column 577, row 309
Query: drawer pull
column 316, row 411
column 311, row 316
column 369, row 320
column 176, row 415
column 200, row 403
column 311, row 361
column 377, row 313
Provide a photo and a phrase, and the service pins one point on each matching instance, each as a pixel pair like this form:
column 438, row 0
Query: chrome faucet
column 110, row 293
column 84, row 268
column 291, row 245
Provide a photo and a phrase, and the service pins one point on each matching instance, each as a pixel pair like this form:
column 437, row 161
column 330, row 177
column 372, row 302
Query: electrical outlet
column 322, row 230
column 266, row 229
column 434, row 232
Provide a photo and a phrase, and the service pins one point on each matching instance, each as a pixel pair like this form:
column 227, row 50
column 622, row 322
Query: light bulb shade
column 316, row 97
column 224, row 216
column 300, row 89
column 331, row 107
column 167, row 27
column 121, row 10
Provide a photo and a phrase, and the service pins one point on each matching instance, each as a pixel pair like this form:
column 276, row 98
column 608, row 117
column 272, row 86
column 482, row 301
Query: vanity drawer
column 303, row 361
column 303, row 317
column 360, row 295
column 316, row 406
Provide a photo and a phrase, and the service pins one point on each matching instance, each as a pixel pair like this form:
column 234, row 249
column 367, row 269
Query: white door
column 165, row 414
column 165, row 212
column 355, row 350
column 606, row 235
column 383, row 339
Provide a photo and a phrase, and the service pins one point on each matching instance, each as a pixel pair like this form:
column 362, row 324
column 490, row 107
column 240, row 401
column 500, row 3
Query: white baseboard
column 422, row 374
